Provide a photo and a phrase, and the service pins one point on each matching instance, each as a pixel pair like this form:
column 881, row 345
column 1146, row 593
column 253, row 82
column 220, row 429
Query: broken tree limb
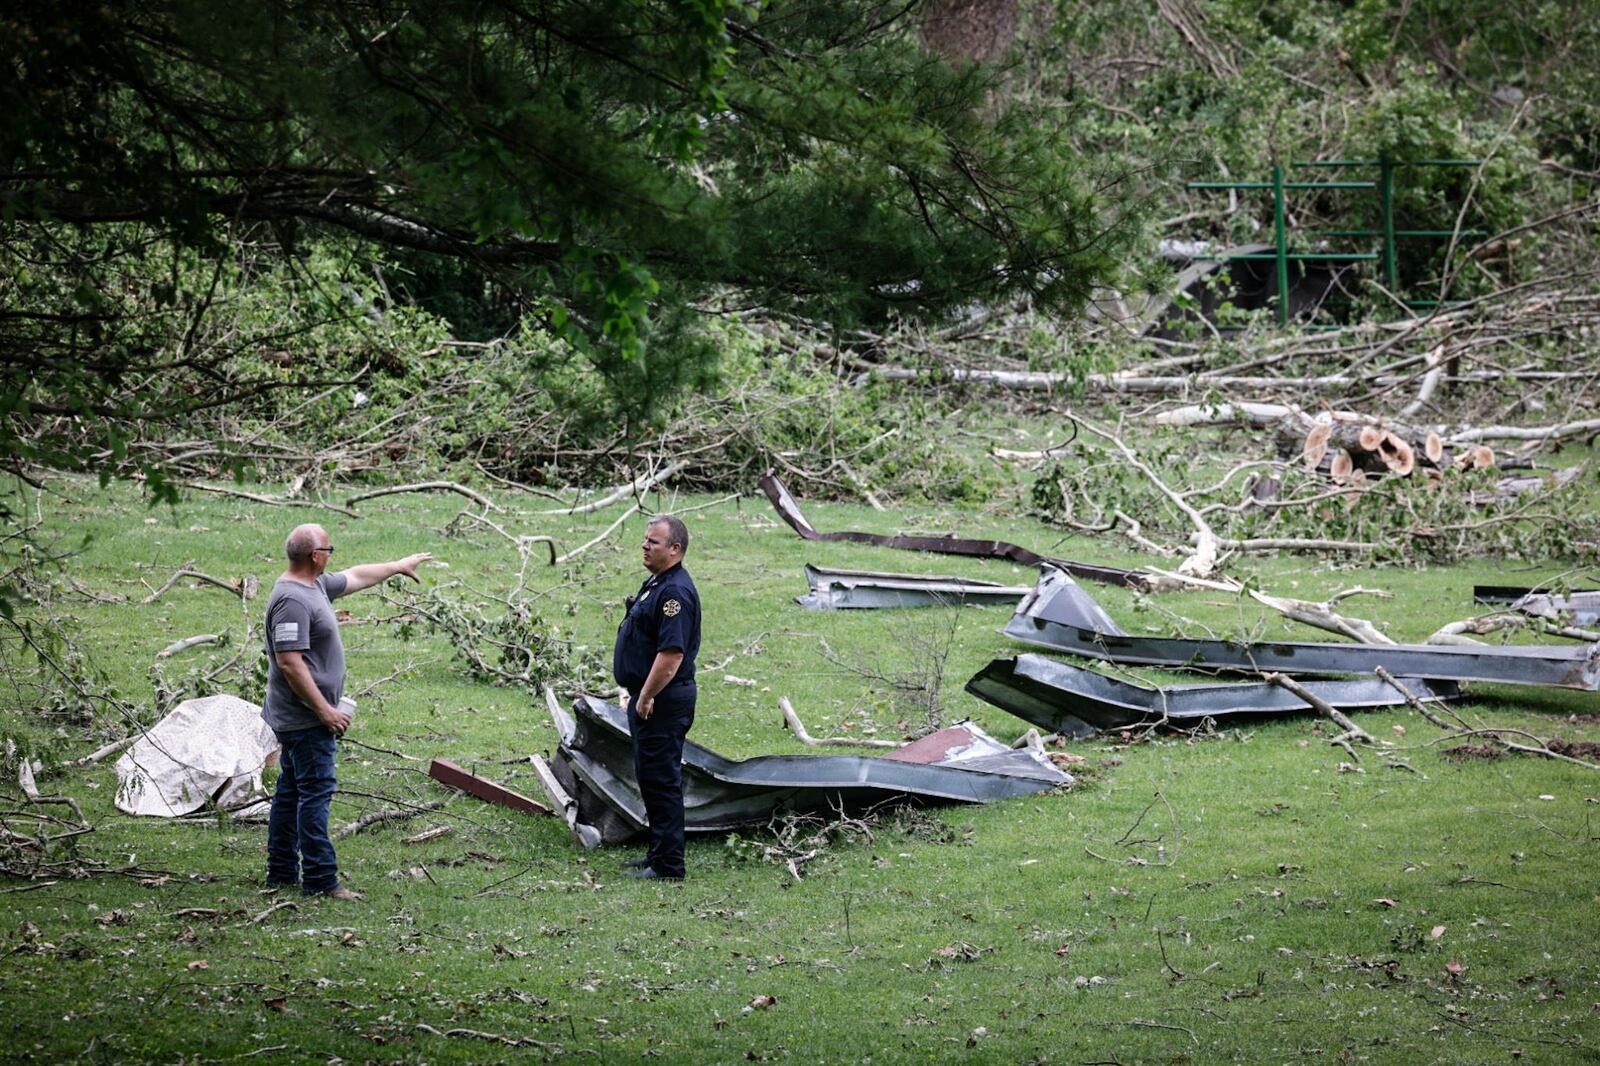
column 186, row 643
column 1493, row 735
column 1236, row 413
column 271, row 501
column 791, row 719
column 105, row 752
column 1457, row 632
column 580, row 549
column 522, row 542
column 425, row 486
column 1050, row 381
column 1202, row 562
column 1297, row 544
column 428, row 834
column 1582, row 428
column 1323, row 616
column 1327, row 710
column 244, row 588
column 1410, row 697
column 1317, row 615
column 387, row 814
column 637, row 487
column 1430, row 381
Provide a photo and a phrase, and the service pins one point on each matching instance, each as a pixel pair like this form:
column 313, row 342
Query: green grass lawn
column 1241, row 897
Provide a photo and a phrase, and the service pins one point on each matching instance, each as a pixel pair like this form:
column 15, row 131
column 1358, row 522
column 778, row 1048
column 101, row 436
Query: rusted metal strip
column 842, row 590
column 1076, row 702
column 789, row 511
column 1062, row 616
column 448, row 773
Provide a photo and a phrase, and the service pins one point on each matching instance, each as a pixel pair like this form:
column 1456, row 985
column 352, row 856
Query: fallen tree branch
column 388, row 814
column 1416, row 704
column 1493, row 735
column 522, row 542
column 1327, row 710
column 493, row 1038
column 244, row 588
column 792, row 721
column 580, row 549
column 1532, row 433
column 426, row 486
column 1317, row 615
column 271, row 501
column 186, row 643
column 1203, row 561
column 637, row 487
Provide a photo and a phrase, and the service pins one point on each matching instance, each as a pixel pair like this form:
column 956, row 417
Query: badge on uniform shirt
column 671, row 608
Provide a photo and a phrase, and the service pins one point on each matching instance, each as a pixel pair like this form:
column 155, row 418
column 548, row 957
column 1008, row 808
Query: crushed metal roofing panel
column 1579, row 607
column 834, row 590
column 789, row 511
column 1061, row 616
column 594, row 769
column 1076, row 702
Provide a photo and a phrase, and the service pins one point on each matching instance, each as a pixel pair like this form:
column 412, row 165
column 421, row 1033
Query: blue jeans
column 658, row 768
column 297, row 831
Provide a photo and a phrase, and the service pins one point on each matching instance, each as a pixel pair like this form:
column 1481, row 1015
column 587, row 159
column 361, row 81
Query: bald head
column 303, row 541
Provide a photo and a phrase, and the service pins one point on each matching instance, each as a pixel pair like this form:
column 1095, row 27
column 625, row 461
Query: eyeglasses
column 328, row 549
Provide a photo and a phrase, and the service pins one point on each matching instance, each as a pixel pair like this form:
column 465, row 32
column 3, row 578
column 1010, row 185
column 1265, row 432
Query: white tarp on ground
column 209, row 749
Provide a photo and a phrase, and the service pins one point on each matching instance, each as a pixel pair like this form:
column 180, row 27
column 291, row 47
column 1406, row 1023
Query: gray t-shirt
column 300, row 618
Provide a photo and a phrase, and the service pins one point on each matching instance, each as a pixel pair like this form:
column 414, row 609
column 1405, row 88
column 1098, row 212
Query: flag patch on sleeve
column 286, row 633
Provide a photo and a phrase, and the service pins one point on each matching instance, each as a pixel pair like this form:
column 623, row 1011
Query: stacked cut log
column 1341, row 444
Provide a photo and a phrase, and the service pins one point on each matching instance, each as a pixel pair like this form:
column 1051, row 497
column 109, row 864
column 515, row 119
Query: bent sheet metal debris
column 1061, row 616
column 840, row 590
column 789, row 511
column 1079, row 703
column 1579, row 606
column 590, row 778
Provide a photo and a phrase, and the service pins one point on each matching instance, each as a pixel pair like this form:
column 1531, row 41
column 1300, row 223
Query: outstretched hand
column 408, row 565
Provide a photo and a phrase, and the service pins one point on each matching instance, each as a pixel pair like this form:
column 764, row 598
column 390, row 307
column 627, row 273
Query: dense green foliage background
column 204, row 206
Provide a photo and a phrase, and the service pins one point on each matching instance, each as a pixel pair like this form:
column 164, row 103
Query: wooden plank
column 448, row 773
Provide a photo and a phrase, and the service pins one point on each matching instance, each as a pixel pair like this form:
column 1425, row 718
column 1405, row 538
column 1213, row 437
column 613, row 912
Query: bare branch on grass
column 186, row 643
column 635, row 488
column 386, row 815
column 426, row 486
column 791, row 720
column 612, row 528
column 1327, row 710
column 270, row 501
column 245, row 588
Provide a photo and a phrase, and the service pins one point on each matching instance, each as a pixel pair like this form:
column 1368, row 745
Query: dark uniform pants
column 658, row 767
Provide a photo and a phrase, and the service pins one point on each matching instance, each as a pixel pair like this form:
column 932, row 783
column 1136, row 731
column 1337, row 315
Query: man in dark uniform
column 654, row 661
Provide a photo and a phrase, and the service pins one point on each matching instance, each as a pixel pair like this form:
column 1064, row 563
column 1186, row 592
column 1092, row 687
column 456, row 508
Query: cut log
column 1475, row 457
column 1396, row 454
column 1340, row 467
column 1316, row 443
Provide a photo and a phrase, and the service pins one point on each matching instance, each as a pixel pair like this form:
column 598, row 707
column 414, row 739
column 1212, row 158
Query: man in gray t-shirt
column 305, row 679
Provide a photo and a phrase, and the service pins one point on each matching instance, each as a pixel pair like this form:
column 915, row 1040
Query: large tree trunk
column 980, row 30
